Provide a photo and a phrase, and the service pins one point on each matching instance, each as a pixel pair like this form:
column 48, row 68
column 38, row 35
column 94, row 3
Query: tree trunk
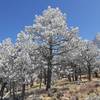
column 41, row 78
column 80, row 77
column 96, row 74
column 13, row 90
column 10, row 88
column 80, row 74
column 2, row 90
column 23, row 91
column 73, row 77
column 69, row 77
column 45, row 76
column 75, row 73
column 49, row 73
column 31, row 83
column 89, row 73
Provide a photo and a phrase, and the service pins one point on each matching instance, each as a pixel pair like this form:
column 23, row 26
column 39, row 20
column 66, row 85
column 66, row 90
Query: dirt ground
column 63, row 90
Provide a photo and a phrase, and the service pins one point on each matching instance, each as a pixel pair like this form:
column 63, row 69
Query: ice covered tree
column 88, row 56
column 51, row 33
column 25, row 61
column 70, row 59
column 7, row 70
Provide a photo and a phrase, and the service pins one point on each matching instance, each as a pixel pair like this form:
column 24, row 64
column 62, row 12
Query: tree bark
column 41, row 78
column 80, row 74
column 31, row 83
column 96, row 74
column 69, row 77
column 10, row 88
column 13, row 90
column 45, row 76
column 76, row 75
column 49, row 73
column 23, row 91
column 89, row 73
column 2, row 90
column 73, row 77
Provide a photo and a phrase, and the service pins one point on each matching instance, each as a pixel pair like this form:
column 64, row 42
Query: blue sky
column 15, row 14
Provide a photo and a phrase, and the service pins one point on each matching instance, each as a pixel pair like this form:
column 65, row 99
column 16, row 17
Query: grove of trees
column 46, row 51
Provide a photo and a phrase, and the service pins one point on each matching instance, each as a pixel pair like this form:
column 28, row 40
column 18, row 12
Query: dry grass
column 69, row 90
